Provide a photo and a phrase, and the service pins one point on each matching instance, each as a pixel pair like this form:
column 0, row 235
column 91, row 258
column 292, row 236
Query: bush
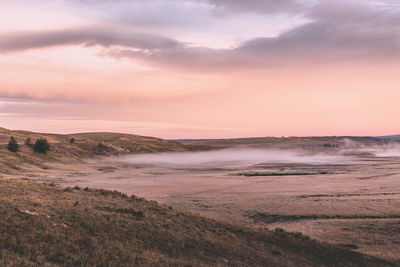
column 28, row 142
column 12, row 145
column 72, row 140
column 101, row 148
column 41, row 146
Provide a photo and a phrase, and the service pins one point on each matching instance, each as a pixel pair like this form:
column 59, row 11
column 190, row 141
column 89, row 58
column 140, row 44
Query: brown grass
column 50, row 226
column 86, row 145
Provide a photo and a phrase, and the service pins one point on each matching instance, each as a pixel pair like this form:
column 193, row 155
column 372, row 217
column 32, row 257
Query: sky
column 201, row 68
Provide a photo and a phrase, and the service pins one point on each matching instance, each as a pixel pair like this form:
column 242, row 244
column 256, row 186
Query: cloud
column 230, row 6
column 339, row 31
column 258, row 6
column 87, row 36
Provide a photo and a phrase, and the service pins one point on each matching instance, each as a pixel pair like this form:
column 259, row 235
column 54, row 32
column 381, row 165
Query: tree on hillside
column 101, row 148
column 41, row 146
column 12, row 145
column 28, row 142
column 72, row 140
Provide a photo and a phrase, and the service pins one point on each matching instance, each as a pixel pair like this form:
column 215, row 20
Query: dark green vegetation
column 44, row 225
column 41, row 146
column 12, row 145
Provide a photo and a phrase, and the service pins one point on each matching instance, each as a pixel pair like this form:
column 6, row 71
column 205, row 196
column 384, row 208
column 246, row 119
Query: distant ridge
column 288, row 142
column 395, row 137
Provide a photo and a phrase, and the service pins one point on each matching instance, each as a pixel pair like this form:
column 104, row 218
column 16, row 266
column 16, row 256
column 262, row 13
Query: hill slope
column 86, row 145
column 50, row 226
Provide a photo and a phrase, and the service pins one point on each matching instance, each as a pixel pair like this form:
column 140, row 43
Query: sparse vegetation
column 13, row 145
column 105, row 149
column 101, row 147
column 44, row 225
column 41, row 146
column 87, row 147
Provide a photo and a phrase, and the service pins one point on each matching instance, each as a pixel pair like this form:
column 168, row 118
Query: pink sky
column 201, row 69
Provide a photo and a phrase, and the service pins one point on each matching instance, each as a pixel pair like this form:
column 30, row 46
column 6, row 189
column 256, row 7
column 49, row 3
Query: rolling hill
column 85, row 146
column 86, row 143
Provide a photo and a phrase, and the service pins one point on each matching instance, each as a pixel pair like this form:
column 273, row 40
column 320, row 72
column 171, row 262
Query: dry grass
column 50, row 226
column 86, row 145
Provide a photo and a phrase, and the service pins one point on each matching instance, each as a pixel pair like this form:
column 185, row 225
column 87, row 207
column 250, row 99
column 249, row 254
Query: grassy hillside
column 49, row 226
column 86, row 145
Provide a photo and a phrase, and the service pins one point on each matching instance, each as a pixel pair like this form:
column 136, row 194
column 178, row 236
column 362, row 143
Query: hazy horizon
column 201, row 68
column 200, row 138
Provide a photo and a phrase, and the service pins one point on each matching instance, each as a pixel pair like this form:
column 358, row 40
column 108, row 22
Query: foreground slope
column 49, row 226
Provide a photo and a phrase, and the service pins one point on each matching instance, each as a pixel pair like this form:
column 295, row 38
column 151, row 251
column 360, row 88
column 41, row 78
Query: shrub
column 12, row 145
column 72, row 140
column 28, row 142
column 41, row 146
column 101, row 148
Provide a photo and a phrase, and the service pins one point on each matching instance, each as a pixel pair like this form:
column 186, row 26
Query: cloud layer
column 338, row 31
column 202, row 68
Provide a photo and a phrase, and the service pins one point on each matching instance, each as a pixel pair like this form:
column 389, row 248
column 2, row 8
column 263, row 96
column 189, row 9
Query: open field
column 44, row 225
column 344, row 191
column 355, row 204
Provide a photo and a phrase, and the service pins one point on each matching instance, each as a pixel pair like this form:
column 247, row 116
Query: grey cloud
column 338, row 32
column 346, row 33
column 235, row 6
column 84, row 36
column 258, row 6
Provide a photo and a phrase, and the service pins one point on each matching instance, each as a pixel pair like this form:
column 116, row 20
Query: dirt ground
column 354, row 203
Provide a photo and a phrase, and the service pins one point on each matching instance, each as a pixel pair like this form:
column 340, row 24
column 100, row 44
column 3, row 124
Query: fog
column 385, row 151
column 256, row 156
column 234, row 155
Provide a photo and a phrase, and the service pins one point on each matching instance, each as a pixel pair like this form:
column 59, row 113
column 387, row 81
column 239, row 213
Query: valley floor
column 353, row 204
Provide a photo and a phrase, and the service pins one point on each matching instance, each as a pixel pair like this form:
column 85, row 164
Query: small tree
column 41, row 146
column 72, row 140
column 12, row 145
column 101, row 147
column 28, row 142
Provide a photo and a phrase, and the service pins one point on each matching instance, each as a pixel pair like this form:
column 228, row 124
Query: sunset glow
column 201, row 68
